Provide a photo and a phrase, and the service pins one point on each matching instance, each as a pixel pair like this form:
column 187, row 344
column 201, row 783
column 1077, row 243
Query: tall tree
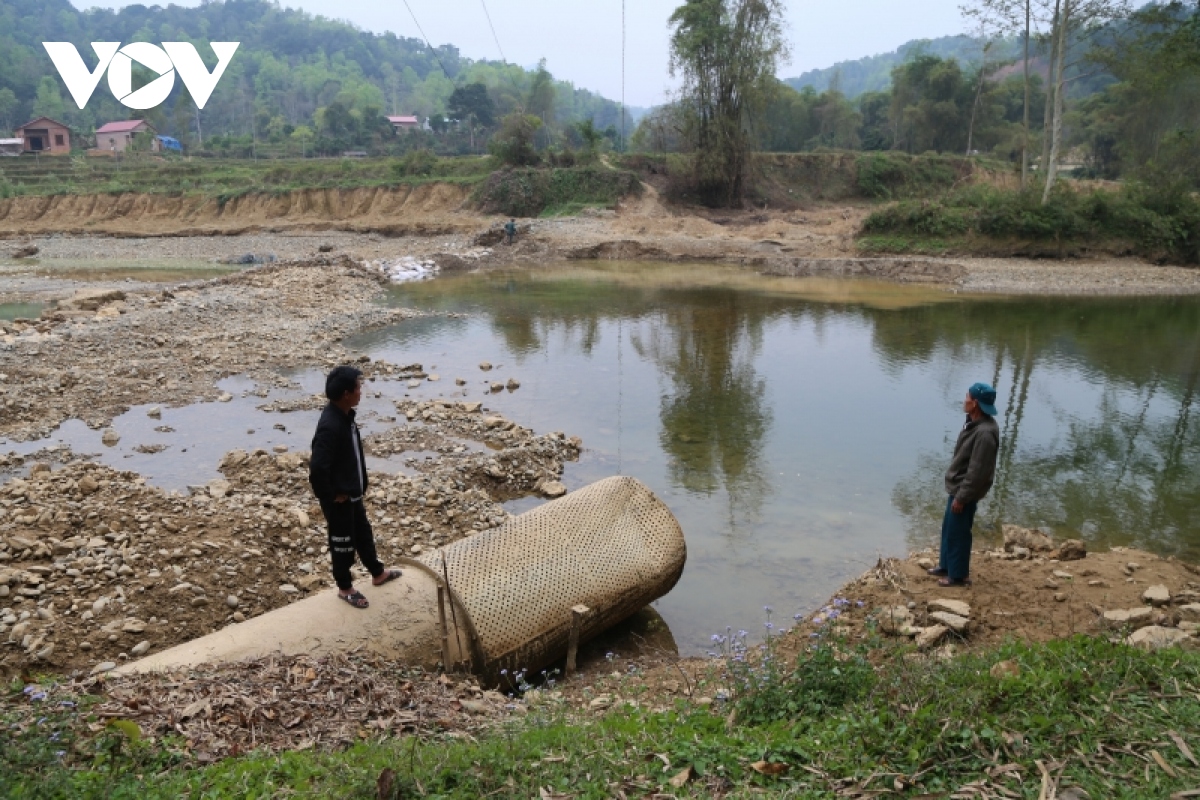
column 1073, row 19
column 727, row 53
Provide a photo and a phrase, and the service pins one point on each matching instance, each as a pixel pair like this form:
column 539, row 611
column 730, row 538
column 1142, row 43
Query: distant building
column 404, row 123
column 117, row 136
column 169, row 143
column 44, row 135
column 12, row 147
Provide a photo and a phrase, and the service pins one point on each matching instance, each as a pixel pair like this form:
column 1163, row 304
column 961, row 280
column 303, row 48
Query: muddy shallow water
column 799, row 429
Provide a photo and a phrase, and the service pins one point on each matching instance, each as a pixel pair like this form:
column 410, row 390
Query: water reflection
column 714, row 418
column 800, row 428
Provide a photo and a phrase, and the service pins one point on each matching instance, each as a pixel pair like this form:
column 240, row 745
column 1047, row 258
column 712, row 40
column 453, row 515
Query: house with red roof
column 115, row 137
column 45, row 136
column 404, row 123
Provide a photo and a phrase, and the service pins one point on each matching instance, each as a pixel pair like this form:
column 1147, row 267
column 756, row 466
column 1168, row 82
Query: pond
column 799, row 428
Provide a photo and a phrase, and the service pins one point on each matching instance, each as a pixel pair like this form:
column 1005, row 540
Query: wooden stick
column 577, row 615
column 445, row 632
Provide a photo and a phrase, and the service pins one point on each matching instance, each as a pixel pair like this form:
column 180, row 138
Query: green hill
column 874, row 73
column 293, row 70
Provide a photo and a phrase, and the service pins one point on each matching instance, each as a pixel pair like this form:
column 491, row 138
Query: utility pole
column 1025, row 130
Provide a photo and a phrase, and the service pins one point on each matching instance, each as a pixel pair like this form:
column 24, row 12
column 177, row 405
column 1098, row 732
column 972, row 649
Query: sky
column 581, row 41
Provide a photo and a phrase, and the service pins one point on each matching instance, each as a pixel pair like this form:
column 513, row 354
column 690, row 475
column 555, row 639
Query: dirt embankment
column 427, row 209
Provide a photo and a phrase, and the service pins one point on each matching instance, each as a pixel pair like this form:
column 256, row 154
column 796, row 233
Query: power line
column 493, row 27
column 426, row 38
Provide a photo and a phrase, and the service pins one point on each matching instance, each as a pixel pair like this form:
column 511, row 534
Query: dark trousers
column 350, row 533
column 956, row 540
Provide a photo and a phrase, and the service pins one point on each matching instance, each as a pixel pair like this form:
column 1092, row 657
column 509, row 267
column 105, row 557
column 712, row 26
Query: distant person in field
column 972, row 470
column 338, row 474
column 510, row 231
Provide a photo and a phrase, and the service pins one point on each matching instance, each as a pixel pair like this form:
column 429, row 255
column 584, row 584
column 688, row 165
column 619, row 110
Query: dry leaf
column 1183, row 748
column 546, row 794
column 195, row 709
column 769, row 767
column 685, row 775
column 1190, row 793
column 1162, row 762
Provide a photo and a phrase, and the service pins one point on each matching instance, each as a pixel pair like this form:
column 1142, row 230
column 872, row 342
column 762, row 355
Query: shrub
column 1160, row 225
column 513, row 143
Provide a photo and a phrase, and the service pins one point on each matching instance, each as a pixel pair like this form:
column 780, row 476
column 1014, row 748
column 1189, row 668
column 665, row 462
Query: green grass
column 1159, row 225
column 1092, row 713
column 908, row 245
column 230, row 178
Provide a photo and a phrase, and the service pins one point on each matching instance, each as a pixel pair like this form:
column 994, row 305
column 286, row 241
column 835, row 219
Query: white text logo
column 164, row 61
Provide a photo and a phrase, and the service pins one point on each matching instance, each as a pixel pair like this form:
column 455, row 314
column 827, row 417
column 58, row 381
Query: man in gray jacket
column 972, row 470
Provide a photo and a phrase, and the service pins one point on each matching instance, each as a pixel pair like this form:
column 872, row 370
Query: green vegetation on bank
column 1113, row 720
column 1153, row 222
column 220, row 177
column 526, row 192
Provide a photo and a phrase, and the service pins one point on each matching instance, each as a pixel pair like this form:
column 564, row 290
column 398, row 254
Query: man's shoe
column 937, row 572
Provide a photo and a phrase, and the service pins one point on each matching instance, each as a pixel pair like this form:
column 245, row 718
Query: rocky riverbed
column 98, row 566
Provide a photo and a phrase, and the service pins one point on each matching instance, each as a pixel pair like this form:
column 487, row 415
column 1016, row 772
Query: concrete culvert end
column 613, row 547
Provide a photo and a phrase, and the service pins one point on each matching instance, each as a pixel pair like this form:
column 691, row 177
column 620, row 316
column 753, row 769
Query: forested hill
column 874, row 73
column 291, row 69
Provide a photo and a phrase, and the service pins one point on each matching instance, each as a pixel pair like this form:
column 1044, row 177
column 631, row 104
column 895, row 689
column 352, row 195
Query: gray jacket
column 973, row 467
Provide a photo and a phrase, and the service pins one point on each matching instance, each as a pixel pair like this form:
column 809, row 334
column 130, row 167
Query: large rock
column 1156, row 637
column 1016, row 536
column 952, row 621
column 1070, row 550
column 1157, row 595
column 1129, row 617
column 895, row 620
column 93, row 299
column 1190, row 612
column 957, row 607
column 931, row 636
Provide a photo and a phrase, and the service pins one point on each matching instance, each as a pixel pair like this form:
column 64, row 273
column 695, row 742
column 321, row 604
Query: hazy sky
column 581, row 41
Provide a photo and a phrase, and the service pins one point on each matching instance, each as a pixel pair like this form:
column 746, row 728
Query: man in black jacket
column 338, row 474
column 970, row 476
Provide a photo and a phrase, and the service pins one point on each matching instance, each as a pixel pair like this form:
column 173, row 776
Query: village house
column 115, row 137
column 44, row 135
column 404, row 123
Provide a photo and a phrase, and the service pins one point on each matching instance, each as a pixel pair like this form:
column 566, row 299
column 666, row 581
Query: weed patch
column 1078, row 712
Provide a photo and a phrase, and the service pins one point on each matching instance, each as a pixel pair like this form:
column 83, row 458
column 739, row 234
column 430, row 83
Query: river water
column 799, row 429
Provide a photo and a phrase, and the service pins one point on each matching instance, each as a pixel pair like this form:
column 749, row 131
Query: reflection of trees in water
column 714, row 421
column 1118, row 476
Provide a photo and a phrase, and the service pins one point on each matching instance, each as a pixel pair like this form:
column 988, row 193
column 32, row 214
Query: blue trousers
column 956, row 540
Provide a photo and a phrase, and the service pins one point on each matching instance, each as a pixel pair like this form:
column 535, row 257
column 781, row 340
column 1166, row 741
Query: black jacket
column 973, row 466
column 332, row 470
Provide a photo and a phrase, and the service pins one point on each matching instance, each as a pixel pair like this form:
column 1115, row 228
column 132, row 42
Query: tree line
column 298, row 83
column 1092, row 84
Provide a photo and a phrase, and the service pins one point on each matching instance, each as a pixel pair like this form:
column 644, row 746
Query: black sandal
column 355, row 599
column 937, row 572
column 951, row 583
column 388, row 576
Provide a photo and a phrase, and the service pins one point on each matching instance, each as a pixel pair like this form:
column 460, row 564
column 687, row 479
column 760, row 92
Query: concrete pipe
column 508, row 594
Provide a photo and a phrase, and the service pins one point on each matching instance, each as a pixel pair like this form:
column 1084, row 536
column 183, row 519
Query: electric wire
column 426, row 38
column 493, row 27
